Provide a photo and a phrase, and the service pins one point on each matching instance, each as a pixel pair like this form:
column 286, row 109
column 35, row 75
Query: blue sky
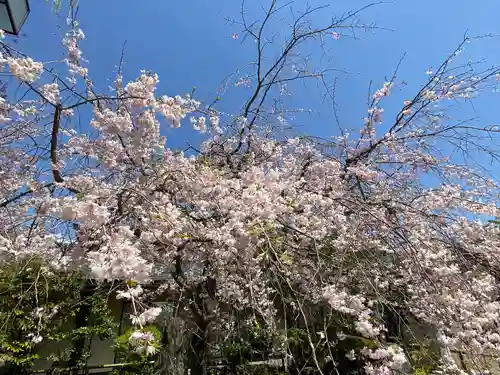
column 188, row 43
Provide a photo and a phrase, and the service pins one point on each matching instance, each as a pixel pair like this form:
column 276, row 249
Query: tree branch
column 53, row 144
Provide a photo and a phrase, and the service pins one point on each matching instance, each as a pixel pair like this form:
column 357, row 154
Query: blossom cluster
column 26, row 69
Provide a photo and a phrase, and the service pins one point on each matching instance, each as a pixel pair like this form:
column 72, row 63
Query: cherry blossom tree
column 254, row 234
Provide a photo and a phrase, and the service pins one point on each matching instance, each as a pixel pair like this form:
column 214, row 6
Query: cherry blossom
column 253, row 221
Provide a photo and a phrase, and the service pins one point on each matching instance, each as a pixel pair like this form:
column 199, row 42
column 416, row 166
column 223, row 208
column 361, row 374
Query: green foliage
column 424, row 358
column 126, row 350
column 138, row 363
column 250, row 344
column 37, row 300
column 237, row 353
column 38, row 306
column 296, row 336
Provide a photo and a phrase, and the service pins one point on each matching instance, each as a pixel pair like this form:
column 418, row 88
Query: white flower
column 26, row 69
column 399, row 359
column 38, row 312
column 131, row 293
column 151, row 314
column 5, row 244
column 150, row 350
column 215, row 120
column 35, row 338
column 50, row 92
column 364, row 326
column 343, row 302
column 123, row 294
column 142, row 341
column 135, row 337
column 137, row 320
column 351, row 355
column 199, row 124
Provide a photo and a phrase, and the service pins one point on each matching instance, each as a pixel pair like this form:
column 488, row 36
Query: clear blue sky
column 188, row 43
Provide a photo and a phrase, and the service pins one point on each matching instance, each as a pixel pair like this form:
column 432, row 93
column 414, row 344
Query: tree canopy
column 337, row 254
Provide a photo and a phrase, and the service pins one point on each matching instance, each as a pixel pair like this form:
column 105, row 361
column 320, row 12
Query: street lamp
column 13, row 13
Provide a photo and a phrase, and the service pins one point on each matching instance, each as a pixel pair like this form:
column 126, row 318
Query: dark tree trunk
column 198, row 353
